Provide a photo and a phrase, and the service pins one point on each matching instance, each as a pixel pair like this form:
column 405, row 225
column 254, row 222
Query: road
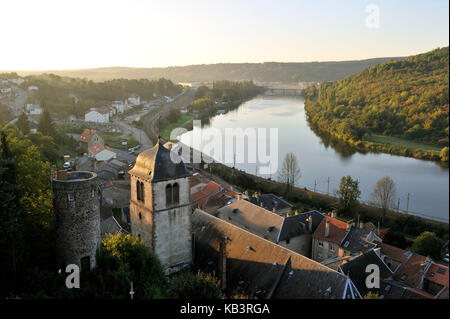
column 182, row 100
column 17, row 106
column 138, row 134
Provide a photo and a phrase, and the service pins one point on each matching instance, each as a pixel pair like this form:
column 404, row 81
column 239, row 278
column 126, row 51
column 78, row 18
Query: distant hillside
column 407, row 99
column 263, row 72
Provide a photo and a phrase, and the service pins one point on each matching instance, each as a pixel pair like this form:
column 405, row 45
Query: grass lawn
column 169, row 127
column 404, row 143
column 115, row 140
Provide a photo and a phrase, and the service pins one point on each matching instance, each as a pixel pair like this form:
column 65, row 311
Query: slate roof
column 155, row 164
column 262, row 268
column 357, row 240
column 297, row 225
column 111, row 226
column 254, row 218
column 356, row 270
column 270, row 201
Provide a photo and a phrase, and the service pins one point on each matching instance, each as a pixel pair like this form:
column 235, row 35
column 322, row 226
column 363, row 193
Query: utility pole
column 328, row 186
column 407, row 203
column 315, row 184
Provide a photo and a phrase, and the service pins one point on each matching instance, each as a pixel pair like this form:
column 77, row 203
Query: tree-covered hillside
column 262, row 72
column 405, row 99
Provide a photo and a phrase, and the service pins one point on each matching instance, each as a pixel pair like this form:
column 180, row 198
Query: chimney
column 274, row 210
column 327, row 228
column 334, row 213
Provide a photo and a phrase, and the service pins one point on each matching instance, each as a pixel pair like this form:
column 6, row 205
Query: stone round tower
column 76, row 202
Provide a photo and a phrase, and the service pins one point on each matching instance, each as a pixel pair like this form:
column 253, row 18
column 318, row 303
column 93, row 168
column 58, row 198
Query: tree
column 174, row 115
column 190, row 286
column 123, row 259
column 348, row 193
column 427, row 244
column 395, row 239
column 384, row 194
column 23, row 124
column 444, row 154
column 46, row 125
column 290, row 171
column 10, row 218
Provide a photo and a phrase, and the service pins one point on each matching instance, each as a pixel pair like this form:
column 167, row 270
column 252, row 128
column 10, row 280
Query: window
column 403, row 277
column 140, row 216
column 71, row 197
column 320, row 244
column 287, row 241
column 175, row 193
column 93, row 192
column 331, row 247
column 138, row 190
column 168, row 195
column 85, row 264
column 142, row 191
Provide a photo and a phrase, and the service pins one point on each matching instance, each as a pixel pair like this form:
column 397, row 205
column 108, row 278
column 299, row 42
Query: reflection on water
column 323, row 157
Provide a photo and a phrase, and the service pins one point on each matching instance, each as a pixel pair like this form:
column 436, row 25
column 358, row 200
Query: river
column 323, row 165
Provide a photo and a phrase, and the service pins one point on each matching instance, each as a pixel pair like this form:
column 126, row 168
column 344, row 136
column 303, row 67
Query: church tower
column 160, row 209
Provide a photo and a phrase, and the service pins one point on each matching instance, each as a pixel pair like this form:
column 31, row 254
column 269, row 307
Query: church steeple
column 160, row 208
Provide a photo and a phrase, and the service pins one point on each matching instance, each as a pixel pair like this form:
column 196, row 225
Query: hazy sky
column 62, row 34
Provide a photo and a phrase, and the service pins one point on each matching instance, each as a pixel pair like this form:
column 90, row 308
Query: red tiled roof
column 96, row 148
column 201, row 197
column 393, row 252
column 338, row 230
column 411, row 271
column 86, row 135
column 440, row 277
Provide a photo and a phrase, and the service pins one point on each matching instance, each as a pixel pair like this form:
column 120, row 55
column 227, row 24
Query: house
column 116, row 194
column 34, row 109
column 101, row 152
column 89, row 137
column 5, row 90
column 18, row 81
column 134, row 100
column 97, row 115
column 249, row 264
column 272, row 203
column 335, row 241
column 293, row 232
column 119, row 106
column 32, row 88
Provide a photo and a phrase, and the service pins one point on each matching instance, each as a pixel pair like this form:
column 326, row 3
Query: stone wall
column 76, row 202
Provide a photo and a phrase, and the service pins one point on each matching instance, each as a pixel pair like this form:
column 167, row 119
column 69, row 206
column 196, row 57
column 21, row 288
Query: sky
column 71, row 34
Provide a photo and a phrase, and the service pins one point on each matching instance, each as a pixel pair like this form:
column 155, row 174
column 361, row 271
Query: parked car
column 66, row 165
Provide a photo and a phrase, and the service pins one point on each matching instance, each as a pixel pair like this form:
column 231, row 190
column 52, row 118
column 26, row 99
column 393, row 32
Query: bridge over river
column 283, row 91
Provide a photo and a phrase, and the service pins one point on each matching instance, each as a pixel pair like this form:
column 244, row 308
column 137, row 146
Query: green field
column 404, row 143
column 169, row 127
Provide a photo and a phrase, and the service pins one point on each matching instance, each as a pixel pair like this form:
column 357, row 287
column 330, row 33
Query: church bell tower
column 160, row 209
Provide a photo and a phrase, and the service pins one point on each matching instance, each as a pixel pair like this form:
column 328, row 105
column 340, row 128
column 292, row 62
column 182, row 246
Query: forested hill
column 263, row 72
column 406, row 99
